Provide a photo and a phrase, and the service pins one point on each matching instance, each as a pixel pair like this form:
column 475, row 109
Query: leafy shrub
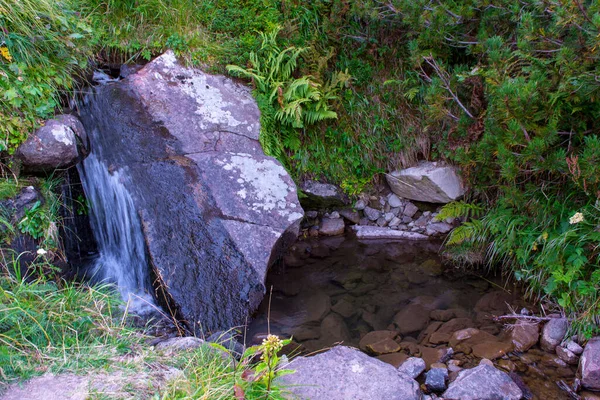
column 42, row 46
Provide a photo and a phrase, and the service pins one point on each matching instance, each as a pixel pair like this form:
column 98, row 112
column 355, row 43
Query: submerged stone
column 216, row 212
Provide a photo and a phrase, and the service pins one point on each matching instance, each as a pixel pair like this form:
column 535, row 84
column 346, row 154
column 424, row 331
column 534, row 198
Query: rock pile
column 382, row 217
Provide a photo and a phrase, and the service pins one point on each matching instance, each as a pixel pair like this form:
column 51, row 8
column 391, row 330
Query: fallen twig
column 520, row 316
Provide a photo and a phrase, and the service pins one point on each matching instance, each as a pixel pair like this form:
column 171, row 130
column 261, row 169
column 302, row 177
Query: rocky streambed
column 397, row 301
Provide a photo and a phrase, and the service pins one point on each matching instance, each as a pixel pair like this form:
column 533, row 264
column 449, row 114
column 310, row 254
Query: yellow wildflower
column 545, row 235
column 576, row 218
column 5, row 53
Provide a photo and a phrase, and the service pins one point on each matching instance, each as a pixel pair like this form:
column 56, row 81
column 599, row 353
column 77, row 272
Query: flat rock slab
column 215, row 211
column 376, row 232
column 343, row 373
column 428, row 182
column 118, row 384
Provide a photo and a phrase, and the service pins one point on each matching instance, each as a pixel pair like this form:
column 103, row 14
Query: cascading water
column 116, row 226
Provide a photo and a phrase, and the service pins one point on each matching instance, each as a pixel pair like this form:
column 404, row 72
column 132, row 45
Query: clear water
column 377, row 280
column 117, row 229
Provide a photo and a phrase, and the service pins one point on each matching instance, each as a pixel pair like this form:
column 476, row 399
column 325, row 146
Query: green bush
column 509, row 92
column 42, row 46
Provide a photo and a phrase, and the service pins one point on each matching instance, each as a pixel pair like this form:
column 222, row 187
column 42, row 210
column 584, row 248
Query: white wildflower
column 576, row 218
column 41, row 252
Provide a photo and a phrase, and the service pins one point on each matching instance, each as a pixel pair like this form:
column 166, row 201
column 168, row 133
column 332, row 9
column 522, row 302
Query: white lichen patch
column 168, row 59
column 356, row 367
column 211, row 105
column 264, row 188
column 63, row 134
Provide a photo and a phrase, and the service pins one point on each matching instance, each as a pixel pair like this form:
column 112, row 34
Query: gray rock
column 343, row 373
column 360, row 205
column 332, row 227
column 372, row 213
column 440, row 227
column 350, row 215
column 407, row 220
column 216, row 212
column 322, row 195
column 412, row 318
column 566, row 355
column 389, row 216
column 428, row 182
column 422, row 221
column 394, row 201
column 311, row 214
column 553, row 333
column 364, row 221
column 483, row 382
column 17, row 206
column 590, row 365
column 375, row 232
column 412, row 367
column 435, row 379
column 396, row 211
column 60, row 143
column 574, row 348
column 524, row 336
column 395, row 221
column 177, row 344
column 334, row 330
column 410, row 210
column 381, row 221
column 344, row 308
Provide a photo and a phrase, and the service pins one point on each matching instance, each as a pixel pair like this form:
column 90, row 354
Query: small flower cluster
column 576, row 218
column 5, row 53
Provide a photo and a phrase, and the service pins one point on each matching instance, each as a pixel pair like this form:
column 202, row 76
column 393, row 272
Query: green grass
column 45, row 327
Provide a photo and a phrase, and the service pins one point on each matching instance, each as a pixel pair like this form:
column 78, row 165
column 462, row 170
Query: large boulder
column 343, row 373
column 429, row 182
column 215, row 211
column 483, row 383
column 60, row 143
column 590, row 365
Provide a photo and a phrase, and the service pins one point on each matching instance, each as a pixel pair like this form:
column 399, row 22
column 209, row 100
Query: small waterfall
column 117, row 229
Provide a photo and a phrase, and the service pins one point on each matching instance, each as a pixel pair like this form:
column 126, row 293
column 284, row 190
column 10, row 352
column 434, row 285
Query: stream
column 336, row 290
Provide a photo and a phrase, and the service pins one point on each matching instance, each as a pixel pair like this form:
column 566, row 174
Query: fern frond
column 473, row 231
column 458, row 209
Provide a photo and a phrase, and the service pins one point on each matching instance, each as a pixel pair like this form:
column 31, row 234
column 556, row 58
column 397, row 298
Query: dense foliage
column 507, row 90
column 511, row 92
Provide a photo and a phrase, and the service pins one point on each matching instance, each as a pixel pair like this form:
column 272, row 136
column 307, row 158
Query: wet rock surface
column 215, row 211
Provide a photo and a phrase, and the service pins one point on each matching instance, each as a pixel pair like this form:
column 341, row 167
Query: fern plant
column 287, row 103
